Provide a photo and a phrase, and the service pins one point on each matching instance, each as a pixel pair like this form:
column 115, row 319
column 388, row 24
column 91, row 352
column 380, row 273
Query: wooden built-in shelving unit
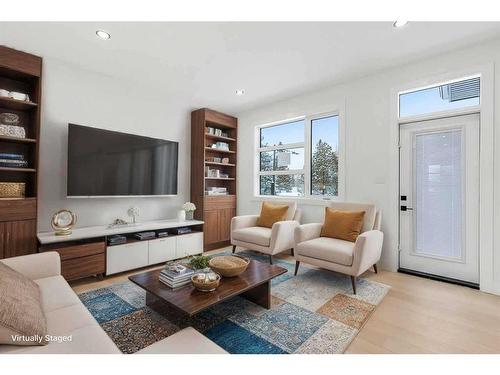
column 20, row 72
column 215, row 210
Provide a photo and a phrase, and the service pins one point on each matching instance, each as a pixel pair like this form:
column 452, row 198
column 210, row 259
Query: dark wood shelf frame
column 16, row 104
column 220, row 164
column 215, row 210
column 4, row 138
column 210, row 149
column 21, row 72
column 25, row 170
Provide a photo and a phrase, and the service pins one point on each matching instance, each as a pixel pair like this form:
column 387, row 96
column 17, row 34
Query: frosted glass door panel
column 438, row 194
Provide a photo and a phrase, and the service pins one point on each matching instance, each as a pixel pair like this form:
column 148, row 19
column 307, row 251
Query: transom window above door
column 459, row 94
column 300, row 157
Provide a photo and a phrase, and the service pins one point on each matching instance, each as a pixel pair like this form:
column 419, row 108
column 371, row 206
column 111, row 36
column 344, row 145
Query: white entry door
column 439, row 197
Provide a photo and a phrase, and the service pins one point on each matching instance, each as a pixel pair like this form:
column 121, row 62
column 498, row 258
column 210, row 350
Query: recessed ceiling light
column 103, row 34
column 240, row 92
column 399, row 24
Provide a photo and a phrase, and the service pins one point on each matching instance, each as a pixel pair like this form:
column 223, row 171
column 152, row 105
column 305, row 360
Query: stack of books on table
column 176, row 275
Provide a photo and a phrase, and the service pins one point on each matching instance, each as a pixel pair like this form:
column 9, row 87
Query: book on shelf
column 8, row 156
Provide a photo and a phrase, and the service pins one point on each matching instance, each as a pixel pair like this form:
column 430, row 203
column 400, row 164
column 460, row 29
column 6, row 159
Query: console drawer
column 189, row 244
column 126, row 257
column 77, row 250
column 162, row 250
column 77, row 268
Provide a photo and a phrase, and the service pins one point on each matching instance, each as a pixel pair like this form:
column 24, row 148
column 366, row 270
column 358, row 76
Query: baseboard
column 439, row 278
column 216, row 245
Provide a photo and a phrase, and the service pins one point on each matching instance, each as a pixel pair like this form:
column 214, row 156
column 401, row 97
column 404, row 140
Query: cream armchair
column 245, row 233
column 349, row 258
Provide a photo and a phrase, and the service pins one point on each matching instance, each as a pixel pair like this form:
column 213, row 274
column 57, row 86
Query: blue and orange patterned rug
column 313, row 312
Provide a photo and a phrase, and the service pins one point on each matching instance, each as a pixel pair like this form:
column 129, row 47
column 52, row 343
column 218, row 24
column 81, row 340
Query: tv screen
column 107, row 163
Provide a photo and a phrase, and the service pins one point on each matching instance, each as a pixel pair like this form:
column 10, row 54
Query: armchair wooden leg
column 270, row 259
column 375, row 268
column 234, row 248
column 353, row 282
column 293, row 254
column 297, row 263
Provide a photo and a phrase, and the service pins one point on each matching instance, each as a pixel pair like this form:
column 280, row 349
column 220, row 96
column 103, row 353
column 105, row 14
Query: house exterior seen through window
column 299, row 158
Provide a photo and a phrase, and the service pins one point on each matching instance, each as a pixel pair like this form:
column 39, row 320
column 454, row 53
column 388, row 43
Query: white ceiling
column 204, row 63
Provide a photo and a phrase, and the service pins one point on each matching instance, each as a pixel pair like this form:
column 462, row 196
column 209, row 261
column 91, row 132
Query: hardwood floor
column 417, row 316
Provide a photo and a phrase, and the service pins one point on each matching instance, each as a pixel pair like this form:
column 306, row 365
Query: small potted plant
column 199, row 262
column 189, row 208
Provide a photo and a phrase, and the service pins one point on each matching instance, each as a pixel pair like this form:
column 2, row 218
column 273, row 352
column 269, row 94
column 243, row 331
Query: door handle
column 404, row 208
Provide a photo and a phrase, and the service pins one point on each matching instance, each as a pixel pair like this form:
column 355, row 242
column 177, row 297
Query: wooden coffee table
column 254, row 284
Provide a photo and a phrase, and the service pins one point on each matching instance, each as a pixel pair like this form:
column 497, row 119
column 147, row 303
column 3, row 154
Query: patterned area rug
column 313, row 312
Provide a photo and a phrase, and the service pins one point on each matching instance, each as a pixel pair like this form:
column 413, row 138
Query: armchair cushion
column 328, row 249
column 256, row 235
column 343, row 225
column 271, row 213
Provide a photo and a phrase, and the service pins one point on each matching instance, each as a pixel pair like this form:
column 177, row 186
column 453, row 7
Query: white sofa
column 245, row 233
column 67, row 316
column 350, row 258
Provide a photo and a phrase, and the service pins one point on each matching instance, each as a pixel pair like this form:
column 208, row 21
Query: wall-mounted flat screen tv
column 109, row 163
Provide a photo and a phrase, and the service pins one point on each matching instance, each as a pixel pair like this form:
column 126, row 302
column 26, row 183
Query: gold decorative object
column 205, row 281
column 62, row 222
column 229, row 266
column 12, row 189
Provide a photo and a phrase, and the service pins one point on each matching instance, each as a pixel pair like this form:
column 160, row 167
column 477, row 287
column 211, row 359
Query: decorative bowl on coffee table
column 205, row 282
column 229, row 265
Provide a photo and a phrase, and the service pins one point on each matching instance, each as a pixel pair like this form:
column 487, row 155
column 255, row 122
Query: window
column 324, row 156
column 454, row 95
column 299, row 158
column 281, row 156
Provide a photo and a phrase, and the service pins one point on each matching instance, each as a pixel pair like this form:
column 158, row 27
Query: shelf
column 221, row 164
column 213, row 136
column 8, row 169
column 18, row 199
column 220, row 178
column 16, row 140
column 16, row 104
column 218, row 150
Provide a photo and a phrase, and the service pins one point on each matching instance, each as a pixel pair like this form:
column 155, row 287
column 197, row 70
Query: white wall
column 73, row 95
column 369, row 150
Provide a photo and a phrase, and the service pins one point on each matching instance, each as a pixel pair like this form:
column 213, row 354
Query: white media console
column 85, row 251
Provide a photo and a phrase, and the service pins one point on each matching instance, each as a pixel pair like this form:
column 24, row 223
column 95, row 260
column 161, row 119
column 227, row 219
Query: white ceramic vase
column 181, row 215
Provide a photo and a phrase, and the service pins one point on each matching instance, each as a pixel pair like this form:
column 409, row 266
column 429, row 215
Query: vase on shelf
column 189, row 215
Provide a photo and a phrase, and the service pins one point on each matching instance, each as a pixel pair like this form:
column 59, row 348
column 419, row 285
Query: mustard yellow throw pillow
column 271, row 213
column 343, row 225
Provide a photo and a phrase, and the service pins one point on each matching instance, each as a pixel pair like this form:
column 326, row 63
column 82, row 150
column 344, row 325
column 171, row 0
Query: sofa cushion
column 343, row 225
column 56, row 293
column 187, row 341
column 327, row 249
column 256, row 235
column 21, row 313
column 271, row 213
column 69, row 318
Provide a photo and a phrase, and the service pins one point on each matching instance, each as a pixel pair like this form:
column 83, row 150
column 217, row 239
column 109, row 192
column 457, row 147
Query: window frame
column 307, row 146
column 437, row 114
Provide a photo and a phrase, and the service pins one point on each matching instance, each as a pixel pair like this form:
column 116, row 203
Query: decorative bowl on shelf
column 229, row 265
column 205, row 281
